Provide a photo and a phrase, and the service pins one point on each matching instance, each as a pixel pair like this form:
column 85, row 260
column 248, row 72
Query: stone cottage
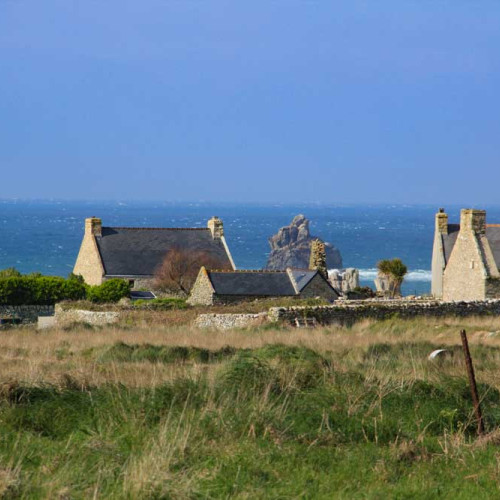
column 223, row 287
column 466, row 257
column 135, row 253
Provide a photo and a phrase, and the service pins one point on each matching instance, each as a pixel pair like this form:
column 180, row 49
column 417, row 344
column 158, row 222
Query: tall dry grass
column 56, row 356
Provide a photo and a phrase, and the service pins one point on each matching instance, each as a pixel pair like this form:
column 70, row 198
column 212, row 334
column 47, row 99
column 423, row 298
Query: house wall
column 140, row 282
column 88, row 263
column 202, row 292
column 465, row 274
column 493, row 288
column 317, row 287
column 235, row 299
column 438, row 259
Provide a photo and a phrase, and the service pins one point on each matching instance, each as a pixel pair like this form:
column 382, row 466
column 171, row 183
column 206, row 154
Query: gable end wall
column 88, row 263
column 438, row 265
column 465, row 274
column 202, row 292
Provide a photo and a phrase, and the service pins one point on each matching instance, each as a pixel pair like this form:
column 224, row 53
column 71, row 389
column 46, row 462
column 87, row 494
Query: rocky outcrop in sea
column 291, row 247
column 344, row 280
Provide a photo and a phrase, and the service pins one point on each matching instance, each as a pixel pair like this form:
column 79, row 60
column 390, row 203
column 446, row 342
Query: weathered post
column 472, row 382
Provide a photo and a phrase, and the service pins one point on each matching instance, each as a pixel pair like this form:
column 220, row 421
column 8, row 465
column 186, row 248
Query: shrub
column 110, row 291
column 44, row 290
column 395, row 271
column 10, row 272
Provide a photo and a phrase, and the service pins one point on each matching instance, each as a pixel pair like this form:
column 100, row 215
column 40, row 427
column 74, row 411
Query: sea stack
column 291, row 247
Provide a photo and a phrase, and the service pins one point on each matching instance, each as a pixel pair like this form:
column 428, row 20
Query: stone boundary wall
column 27, row 314
column 65, row 317
column 348, row 314
column 230, row 321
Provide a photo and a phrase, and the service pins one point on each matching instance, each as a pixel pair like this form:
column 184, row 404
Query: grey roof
column 449, row 240
column 137, row 294
column 258, row 283
column 302, row 277
column 492, row 234
column 129, row 251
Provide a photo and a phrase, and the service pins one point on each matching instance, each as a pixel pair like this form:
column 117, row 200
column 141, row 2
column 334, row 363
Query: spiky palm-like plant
column 395, row 271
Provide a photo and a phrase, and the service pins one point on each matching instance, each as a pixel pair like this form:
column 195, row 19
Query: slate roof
column 261, row 283
column 127, row 251
column 449, row 240
column 302, row 277
column 252, row 283
column 492, row 234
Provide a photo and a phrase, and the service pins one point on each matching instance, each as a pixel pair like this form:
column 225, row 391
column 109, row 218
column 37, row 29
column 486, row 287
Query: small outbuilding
column 224, row 287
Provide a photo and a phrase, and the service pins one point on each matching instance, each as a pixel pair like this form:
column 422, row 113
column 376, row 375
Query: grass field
column 173, row 412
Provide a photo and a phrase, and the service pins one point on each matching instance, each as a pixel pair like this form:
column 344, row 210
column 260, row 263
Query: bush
column 47, row 290
column 110, row 291
column 10, row 272
column 44, row 290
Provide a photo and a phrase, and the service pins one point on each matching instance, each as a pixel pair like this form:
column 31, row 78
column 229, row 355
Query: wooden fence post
column 472, row 383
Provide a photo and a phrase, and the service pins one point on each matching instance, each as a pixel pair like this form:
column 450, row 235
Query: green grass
column 273, row 422
column 162, row 304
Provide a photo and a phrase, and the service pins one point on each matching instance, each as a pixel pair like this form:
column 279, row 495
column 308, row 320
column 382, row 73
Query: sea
column 45, row 235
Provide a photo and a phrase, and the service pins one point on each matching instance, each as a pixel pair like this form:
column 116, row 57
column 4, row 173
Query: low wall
column 27, row 314
column 229, row 321
column 65, row 317
column 350, row 313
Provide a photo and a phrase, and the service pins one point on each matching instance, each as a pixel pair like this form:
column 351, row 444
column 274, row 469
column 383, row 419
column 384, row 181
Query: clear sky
column 272, row 101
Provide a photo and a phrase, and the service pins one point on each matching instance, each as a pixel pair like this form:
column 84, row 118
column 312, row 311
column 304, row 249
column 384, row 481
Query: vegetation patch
column 123, row 352
column 273, row 421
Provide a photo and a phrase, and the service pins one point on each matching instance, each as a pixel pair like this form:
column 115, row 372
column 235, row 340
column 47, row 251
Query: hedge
column 110, row 291
column 47, row 290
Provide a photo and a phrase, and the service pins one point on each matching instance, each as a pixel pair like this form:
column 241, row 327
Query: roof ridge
column 242, row 271
column 159, row 228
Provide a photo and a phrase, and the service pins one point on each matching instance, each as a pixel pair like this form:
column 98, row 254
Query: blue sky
column 331, row 101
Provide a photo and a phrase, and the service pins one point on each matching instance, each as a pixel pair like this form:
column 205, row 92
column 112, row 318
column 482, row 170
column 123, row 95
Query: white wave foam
column 421, row 275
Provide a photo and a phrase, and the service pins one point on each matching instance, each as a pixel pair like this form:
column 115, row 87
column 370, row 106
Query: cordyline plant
column 395, row 271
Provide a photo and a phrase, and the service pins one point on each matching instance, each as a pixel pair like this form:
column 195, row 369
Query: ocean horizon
column 45, row 235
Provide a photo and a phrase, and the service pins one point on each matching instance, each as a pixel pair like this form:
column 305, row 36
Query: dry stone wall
column 349, row 313
column 65, row 317
column 229, row 321
column 27, row 314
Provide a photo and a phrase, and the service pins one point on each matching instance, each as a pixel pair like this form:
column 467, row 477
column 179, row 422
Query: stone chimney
column 473, row 220
column 93, row 226
column 442, row 222
column 216, row 227
column 318, row 257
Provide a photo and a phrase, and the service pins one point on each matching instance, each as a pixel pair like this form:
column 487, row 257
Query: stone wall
column 140, row 283
column 230, row 321
column 202, row 292
column 493, row 288
column 27, row 314
column 349, row 313
column 464, row 276
column 65, row 317
column 88, row 263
